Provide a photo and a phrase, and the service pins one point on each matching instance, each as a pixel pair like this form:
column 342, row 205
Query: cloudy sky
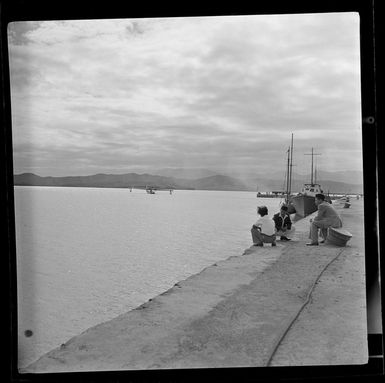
column 220, row 93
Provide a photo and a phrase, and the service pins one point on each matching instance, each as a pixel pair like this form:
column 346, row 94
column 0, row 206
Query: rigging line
column 288, row 175
column 291, row 162
column 291, row 322
column 284, row 182
column 285, row 179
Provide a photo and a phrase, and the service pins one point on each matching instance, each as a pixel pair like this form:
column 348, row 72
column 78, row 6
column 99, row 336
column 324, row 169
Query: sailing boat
column 303, row 202
column 288, row 203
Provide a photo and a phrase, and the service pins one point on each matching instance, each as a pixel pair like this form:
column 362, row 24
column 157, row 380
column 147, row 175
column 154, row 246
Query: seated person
column 263, row 231
column 327, row 217
column 283, row 225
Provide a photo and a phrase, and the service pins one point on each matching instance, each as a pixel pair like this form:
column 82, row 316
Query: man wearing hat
column 283, row 224
column 263, row 231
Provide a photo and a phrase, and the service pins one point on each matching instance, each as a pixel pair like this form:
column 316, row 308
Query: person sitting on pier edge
column 327, row 217
column 283, row 224
column 263, row 231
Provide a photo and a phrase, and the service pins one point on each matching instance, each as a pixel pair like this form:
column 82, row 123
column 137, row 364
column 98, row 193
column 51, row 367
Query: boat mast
column 291, row 163
column 312, row 154
column 288, row 175
column 289, row 170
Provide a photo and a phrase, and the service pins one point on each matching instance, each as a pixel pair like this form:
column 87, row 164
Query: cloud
column 201, row 92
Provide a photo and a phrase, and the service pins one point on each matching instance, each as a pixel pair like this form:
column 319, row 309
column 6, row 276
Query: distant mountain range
column 210, row 182
column 349, row 176
column 184, row 173
column 101, row 180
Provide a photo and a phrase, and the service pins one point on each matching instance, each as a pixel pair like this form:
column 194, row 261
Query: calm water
column 86, row 255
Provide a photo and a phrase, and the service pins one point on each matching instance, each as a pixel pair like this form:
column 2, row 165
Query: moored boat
column 303, row 202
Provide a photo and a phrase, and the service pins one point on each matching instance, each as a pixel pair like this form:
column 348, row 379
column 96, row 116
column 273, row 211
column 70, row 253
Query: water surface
column 86, row 255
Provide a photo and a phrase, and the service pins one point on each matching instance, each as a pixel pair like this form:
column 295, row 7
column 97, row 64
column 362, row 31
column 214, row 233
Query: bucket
column 338, row 237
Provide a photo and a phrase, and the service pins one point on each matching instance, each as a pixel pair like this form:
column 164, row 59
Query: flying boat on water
column 152, row 189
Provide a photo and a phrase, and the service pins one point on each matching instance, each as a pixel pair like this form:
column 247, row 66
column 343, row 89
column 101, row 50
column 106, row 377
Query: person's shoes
column 312, row 244
column 283, row 238
column 273, row 244
column 258, row 244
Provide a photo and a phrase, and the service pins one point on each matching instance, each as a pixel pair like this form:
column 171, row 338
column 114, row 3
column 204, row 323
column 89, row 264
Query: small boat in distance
column 150, row 190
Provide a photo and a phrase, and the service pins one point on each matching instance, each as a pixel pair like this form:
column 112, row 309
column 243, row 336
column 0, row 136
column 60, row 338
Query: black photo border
column 372, row 80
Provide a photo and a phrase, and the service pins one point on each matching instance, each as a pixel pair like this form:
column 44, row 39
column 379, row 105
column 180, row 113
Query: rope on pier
column 291, row 322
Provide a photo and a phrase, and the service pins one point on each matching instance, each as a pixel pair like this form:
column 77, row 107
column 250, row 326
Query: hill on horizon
column 213, row 182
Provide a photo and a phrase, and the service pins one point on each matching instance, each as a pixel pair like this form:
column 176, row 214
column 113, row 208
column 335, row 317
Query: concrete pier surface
column 289, row 305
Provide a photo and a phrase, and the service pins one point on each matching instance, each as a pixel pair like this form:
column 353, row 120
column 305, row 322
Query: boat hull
column 304, row 205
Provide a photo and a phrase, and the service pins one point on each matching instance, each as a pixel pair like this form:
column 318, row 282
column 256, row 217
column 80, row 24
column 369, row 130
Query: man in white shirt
column 263, row 231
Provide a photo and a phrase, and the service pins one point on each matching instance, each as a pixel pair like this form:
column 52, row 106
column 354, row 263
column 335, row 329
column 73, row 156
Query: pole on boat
column 289, row 171
column 291, row 165
column 288, row 175
column 312, row 154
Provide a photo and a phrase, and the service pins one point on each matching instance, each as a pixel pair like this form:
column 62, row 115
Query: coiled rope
column 291, row 322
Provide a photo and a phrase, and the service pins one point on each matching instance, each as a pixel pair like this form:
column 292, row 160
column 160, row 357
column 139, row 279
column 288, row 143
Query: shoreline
column 231, row 313
column 334, row 196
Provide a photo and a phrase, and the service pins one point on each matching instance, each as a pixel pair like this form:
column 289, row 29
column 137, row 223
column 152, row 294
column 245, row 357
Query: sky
column 219, row 93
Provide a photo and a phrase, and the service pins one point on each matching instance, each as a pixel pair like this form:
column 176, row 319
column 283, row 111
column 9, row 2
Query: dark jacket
column 280, row 223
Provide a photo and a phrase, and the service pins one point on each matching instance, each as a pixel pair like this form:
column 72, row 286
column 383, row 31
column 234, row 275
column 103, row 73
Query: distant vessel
column 150, row 190
column 303, row 202
column 273, row 194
